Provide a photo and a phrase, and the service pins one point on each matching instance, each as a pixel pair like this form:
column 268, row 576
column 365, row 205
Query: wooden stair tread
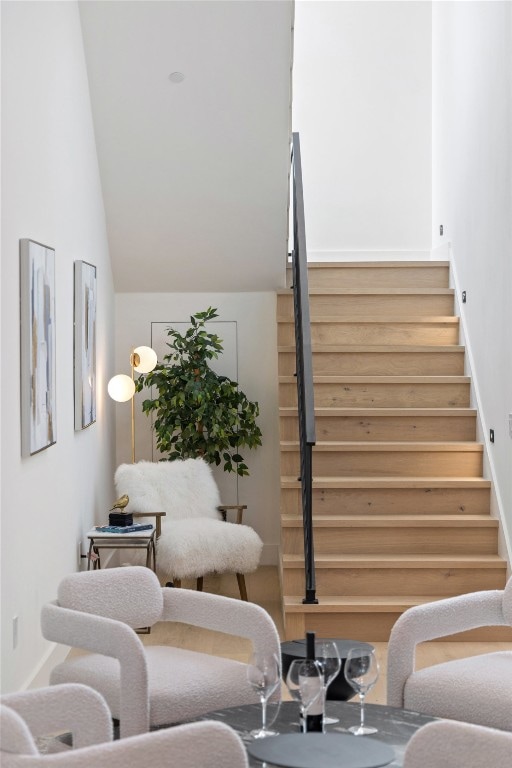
column 380, row 319
column 455, row 379
column 382, row 348
column 374, row 264
column 381, row 379
column 291, row 411
column 358, row 603
column 377, row 445
column 398, row 561
column 392, row 521
column 372, row 292
column 390, row 482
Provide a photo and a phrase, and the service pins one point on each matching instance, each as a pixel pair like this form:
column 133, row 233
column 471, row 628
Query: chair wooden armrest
column 157, row 515
column 223, row 509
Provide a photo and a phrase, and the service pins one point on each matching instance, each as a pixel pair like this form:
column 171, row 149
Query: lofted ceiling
column 194, row 173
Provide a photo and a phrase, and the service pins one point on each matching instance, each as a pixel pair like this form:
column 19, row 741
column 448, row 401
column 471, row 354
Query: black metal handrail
column 305, row 395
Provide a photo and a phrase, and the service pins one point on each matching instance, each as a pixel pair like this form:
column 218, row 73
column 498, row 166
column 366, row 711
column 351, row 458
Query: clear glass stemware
column 304, row 681
column 328, row 658
column 263, row 674
column 361, row 672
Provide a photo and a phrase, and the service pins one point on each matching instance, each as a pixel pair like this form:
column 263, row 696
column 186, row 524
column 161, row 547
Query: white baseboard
column 385, row 255
column 40, row 677
column 497, row 507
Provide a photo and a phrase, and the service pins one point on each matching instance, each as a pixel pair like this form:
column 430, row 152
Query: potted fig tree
column 199, row 412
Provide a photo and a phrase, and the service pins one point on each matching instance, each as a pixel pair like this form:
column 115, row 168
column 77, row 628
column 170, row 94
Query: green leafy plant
column 197, row 411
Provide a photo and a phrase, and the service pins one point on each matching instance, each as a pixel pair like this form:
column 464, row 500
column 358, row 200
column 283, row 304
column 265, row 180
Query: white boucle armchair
column 447, row 744
column 476, row 689
column 151, row 685
column 27, row 719
column 196, row 539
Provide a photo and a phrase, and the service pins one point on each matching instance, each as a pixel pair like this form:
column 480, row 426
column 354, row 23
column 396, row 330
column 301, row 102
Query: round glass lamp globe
column 147, row 359
column 121, row 388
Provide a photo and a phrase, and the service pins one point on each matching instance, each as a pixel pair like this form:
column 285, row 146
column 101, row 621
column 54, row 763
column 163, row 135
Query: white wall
column 472, row 198
column 51, row 193
column 362, row 106
column 256, row 359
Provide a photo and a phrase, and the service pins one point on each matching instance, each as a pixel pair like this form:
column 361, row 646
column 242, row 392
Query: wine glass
column 329, row 661
column 263, row 674
column 304, row 681
column 361, row 672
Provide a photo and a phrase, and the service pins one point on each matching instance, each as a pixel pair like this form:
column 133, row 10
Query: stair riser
column 361, row 306
column 375, row 333
column 390, row 501
column 387, row 464
column 369, row 428
column 378, row 363
column 374, row 627
column 398, row 541
column 360, row 278
column 359, row 395
column 395, row 581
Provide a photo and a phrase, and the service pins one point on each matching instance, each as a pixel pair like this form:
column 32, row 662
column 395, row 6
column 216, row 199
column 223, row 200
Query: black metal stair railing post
column 304, row 369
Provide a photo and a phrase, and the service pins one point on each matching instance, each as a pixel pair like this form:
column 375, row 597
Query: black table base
column 339, row 689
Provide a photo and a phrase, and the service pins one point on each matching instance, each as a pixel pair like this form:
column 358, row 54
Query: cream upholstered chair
column 475, row 690
column 27, row 717
column 448, row 744
column 195, row 538
column 150, row 685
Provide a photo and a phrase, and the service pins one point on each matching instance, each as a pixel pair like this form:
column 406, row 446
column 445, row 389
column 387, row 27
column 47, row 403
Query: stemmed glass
column 329, row 661
column 304, row 680
column 361, row 672
column 263, row 675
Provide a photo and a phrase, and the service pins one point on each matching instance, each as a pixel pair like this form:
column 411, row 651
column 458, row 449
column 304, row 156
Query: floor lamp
column 122, row 387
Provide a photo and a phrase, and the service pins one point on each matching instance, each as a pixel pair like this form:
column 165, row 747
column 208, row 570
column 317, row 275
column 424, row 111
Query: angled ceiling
column 195, row 173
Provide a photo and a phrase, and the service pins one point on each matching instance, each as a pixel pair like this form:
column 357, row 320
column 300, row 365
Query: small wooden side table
column 133, row 540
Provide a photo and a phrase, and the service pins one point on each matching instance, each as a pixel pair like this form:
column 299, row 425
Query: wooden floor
column 263, row 589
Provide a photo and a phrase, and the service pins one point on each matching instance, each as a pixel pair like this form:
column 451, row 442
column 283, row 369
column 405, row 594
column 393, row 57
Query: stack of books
column 136, row 527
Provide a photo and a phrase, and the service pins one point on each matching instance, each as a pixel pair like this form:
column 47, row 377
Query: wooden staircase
column 400, row 507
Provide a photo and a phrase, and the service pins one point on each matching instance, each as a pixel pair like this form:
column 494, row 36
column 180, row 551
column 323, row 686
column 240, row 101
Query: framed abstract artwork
column 37, row 303
column 85, row 344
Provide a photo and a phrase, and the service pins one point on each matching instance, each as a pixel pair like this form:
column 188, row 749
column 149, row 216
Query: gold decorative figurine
column 121, row 503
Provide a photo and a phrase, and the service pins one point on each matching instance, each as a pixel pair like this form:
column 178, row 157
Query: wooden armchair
column 195, row 538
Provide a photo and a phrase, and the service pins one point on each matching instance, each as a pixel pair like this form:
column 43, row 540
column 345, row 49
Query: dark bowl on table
column 339, row 689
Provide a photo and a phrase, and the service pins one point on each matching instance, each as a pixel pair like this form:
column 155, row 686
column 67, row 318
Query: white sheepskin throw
column 182, row 489
column 195, row 540
column 192, row 548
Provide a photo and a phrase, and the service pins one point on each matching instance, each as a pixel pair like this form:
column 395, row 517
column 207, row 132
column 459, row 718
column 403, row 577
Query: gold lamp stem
column 134, row 360
column 121, row 388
